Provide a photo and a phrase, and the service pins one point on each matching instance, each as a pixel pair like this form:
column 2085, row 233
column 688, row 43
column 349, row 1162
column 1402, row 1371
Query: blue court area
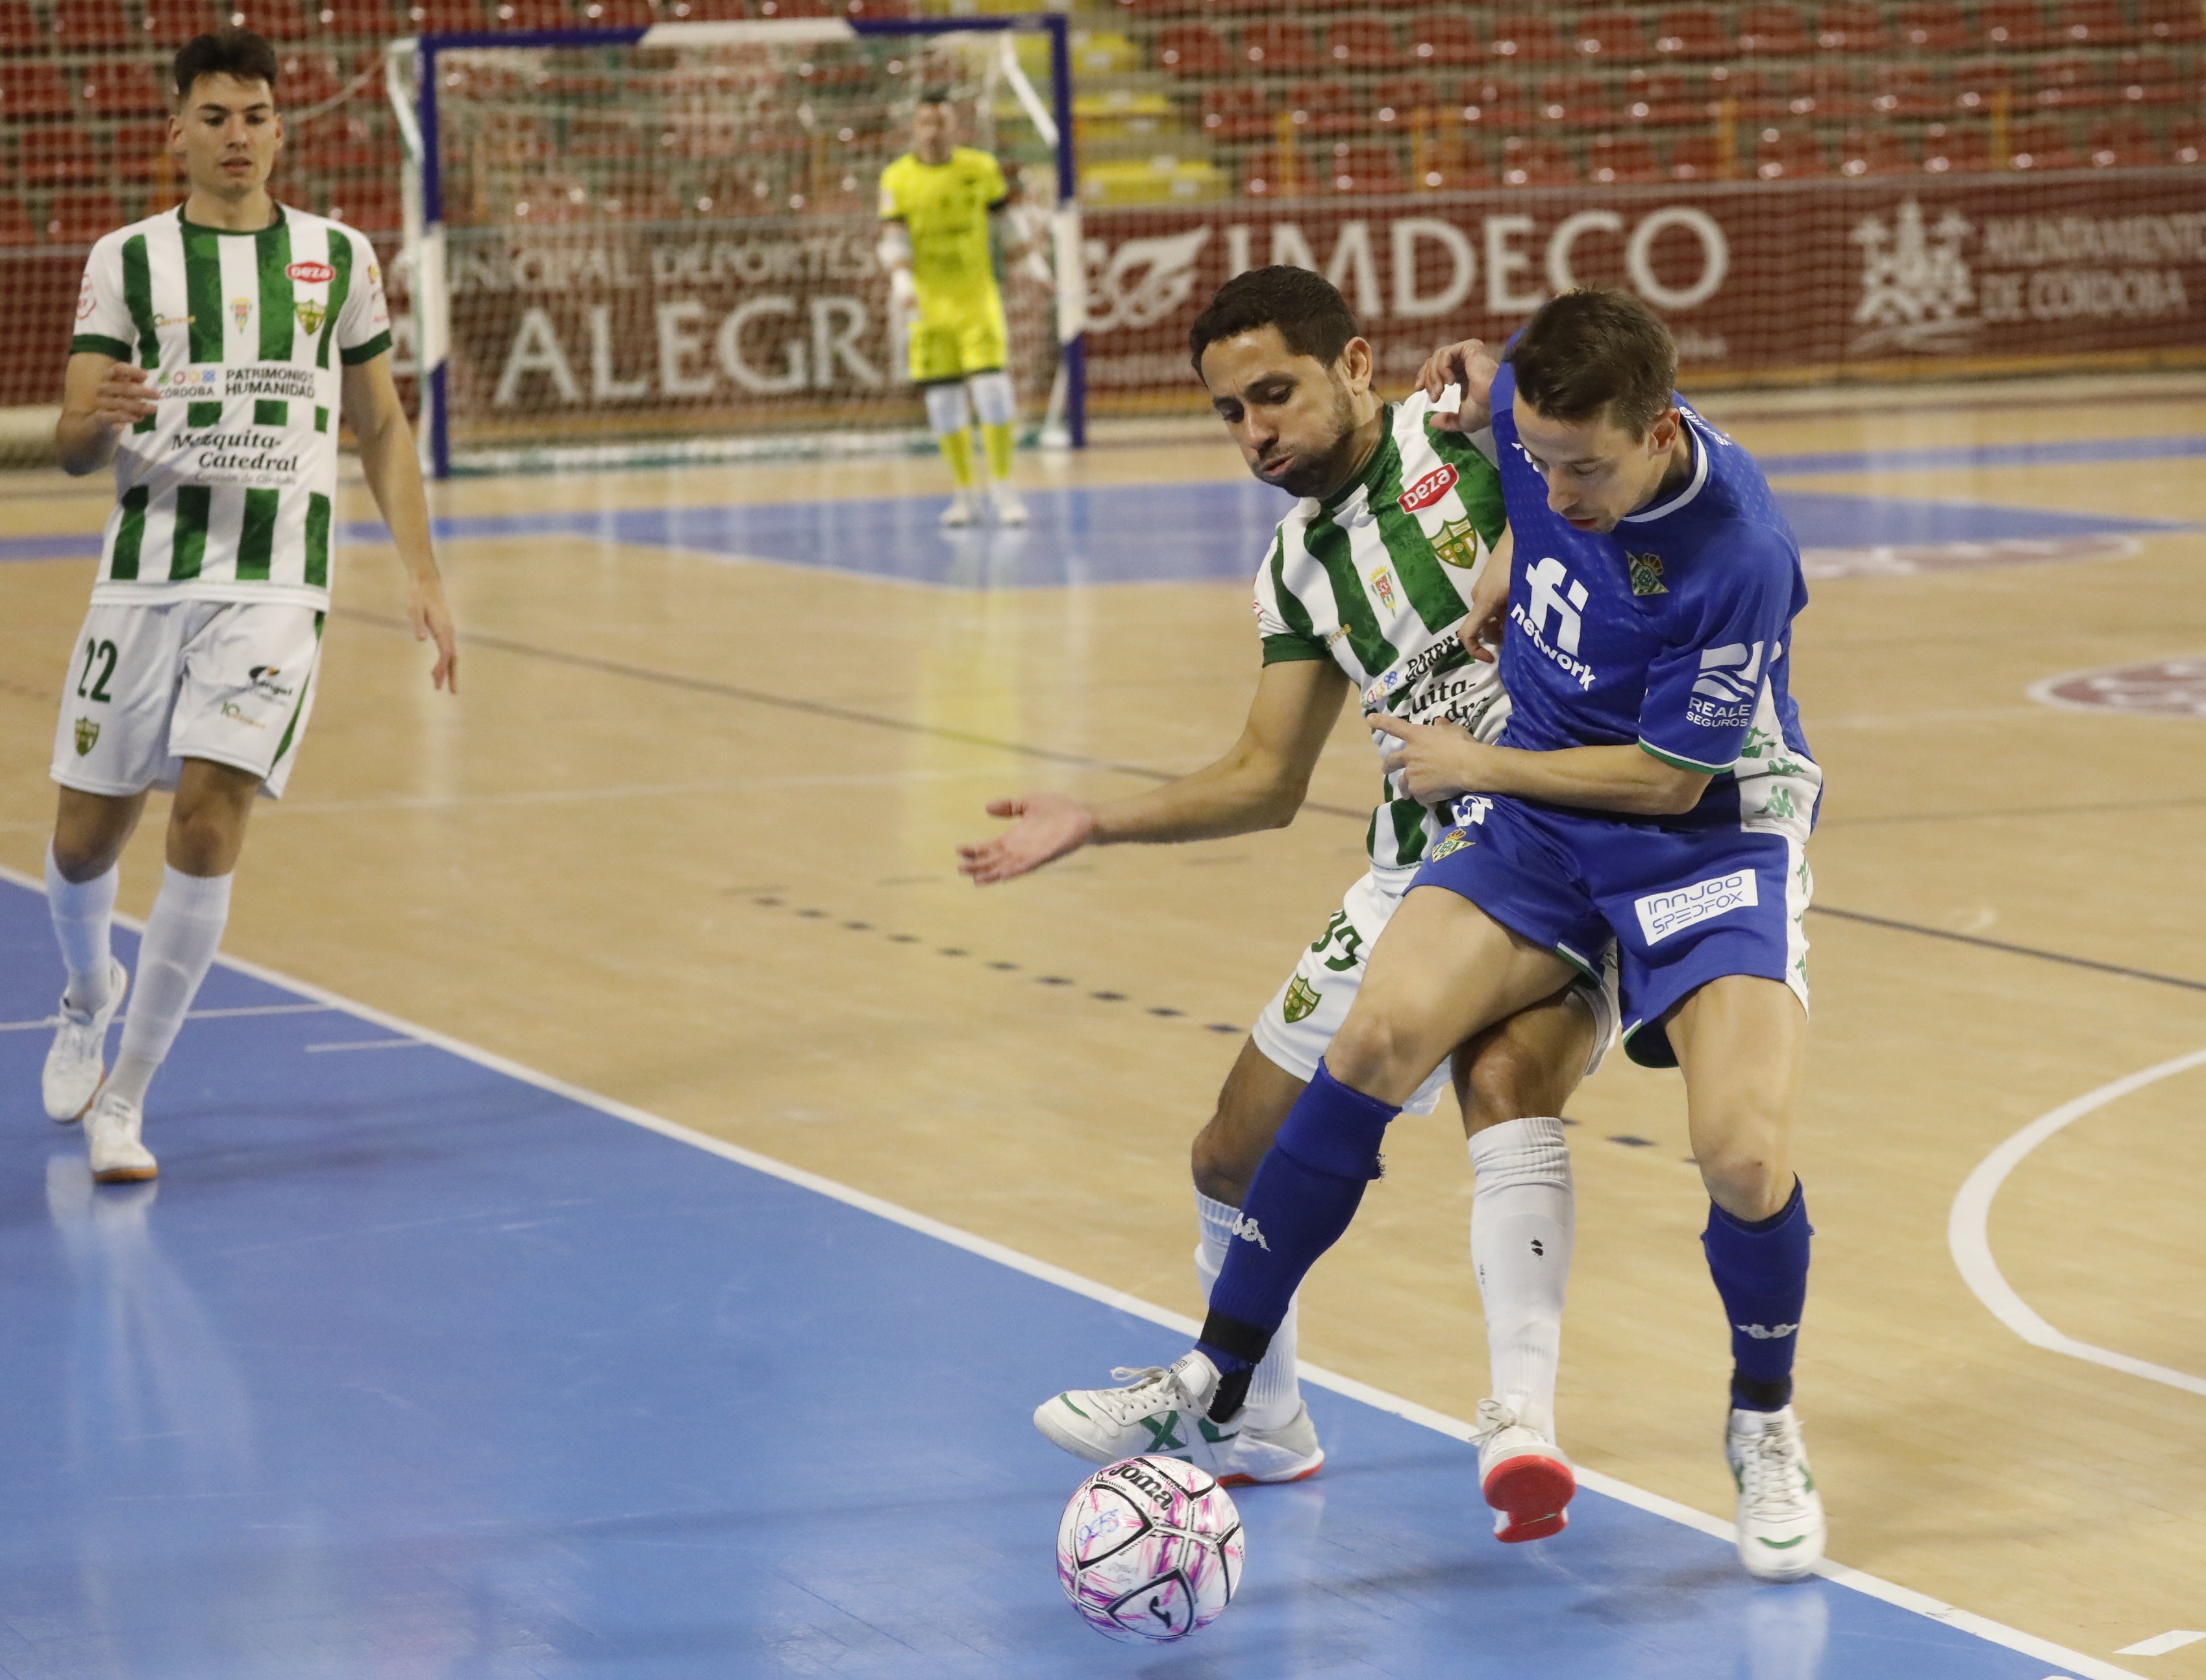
column 408, row 1367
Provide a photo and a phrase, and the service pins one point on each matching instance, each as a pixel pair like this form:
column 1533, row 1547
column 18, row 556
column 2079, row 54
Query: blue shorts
column 1685, row 906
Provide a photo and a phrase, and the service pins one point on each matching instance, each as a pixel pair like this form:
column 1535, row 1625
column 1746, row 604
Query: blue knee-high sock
column 1760, row 1271
column 1302, row 1197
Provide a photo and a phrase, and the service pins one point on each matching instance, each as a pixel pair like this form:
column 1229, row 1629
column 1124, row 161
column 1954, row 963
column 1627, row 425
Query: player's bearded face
column 1595, row 471
column 1293, row 419
column 229, row 134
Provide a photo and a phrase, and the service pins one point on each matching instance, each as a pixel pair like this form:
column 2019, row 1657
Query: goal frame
column 414, row 59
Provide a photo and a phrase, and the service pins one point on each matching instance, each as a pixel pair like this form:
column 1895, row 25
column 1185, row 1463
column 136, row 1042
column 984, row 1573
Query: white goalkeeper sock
column 1275, row 1394
column 1523, row 1219
column 84, row 918
column 181, row 936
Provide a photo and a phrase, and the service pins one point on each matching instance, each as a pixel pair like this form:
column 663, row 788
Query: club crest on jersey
column 1449, row 844
column 1456, row 543
column 1430, row 488
column 240, row 310
column 1382, row 583
column 1647, row 575
column 87, row 735
column 1301, row 1000
column 311, row 316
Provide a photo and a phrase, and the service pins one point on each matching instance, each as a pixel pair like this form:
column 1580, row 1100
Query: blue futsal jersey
column 1672, row 633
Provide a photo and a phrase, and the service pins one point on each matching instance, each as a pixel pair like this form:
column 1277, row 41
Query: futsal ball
column 1149, row 1548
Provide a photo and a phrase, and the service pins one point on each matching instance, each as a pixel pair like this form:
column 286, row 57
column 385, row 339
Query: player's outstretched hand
column 1480, row 633
column 431, row 618
column 1467, row 364
column 124, row 397
column 1437, row 760
column 1049, row 825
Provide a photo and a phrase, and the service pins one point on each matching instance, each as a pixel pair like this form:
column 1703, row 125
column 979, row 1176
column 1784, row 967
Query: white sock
column 83, row 914
column 1522, row 1221
column 180, row 939
column 1275, row 1394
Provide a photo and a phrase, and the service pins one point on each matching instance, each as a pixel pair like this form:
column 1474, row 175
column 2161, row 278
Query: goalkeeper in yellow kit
column 937, row 201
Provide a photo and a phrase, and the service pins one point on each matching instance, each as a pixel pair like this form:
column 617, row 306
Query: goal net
column 660, row 244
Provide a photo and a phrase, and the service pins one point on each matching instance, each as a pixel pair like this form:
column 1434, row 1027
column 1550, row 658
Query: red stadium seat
column 1578, row 102
column 1455, row 164
column 2148, row 78
column 81, row 218
column 1443, row 40
column 1270, row 173
column 1238, row 110
column 362, row 19
column 1274, row 46
column 2186, row 140
column 2094, row 23
column 2121, row 143
column 30, row 89
column 1978, row 83
column 1937, row 25
column 447, row 17
column 2015, row 26
column 1789, row 154
column 1956, row 148
column 171, row 23
column 142, row 151
column 307, row 78
column 2072, row 81
column 58, row 154
column 370, row 205
column 1908, row 91
column 1874, row 151
column 17, row 227
column 2172, row 22
column 125, row 87
column 1824, row 92
column 1773, row 31
column 1851, row 26
column 88, row 23
column 1750, row 91
column 19, row 30
column 2041, row 143
column 1361, row 43
column 1529, row 37
column 1693, row 34
column 1662, row 99
column 1326, row 109
column 1623, row 160
column 1698, row 157
column 1497, row 104
column 1350, row 168
column 1537, row 163
column 1394, row 104
column 1193, row 50
column 1613, row 37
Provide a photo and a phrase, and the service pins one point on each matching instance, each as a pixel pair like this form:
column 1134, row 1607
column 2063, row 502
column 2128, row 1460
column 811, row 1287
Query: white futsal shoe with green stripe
column 1781, row 1514
column 1165, row 1411
column 76, row 1061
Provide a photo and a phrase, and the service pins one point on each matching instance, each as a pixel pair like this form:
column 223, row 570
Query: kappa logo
column 311, row 273
column 1245, row 1229
column 1430, row 488
column 1662, row 913
column 1762, row 1332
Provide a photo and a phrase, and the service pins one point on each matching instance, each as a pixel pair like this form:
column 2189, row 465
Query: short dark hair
column 226, row 52
column 1591, row 350
column 1307, row 309
column 932, row 96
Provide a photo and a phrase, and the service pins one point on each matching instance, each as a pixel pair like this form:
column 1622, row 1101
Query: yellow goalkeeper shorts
column 952, row 343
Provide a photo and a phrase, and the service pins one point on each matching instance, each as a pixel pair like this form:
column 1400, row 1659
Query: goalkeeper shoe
column 1523, row 1476
column 1780, row 1514
column 76, row 1062
column 112, row 1144
column 963, row 510
column 1159, row 1411
column 1288, row 1453
column 1009, row 511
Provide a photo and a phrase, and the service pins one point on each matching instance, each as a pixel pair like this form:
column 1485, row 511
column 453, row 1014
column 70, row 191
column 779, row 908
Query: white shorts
column 151, row 686
column 1304, row 1013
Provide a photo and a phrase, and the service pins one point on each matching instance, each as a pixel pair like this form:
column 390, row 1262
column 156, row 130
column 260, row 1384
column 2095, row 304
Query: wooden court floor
column 685, row 838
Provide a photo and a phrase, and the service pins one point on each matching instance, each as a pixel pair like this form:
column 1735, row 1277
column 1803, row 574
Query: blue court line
column 425, row 1363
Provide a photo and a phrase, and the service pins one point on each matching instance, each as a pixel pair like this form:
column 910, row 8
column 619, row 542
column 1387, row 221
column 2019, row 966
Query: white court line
column 1968, row 1234
column 47, row 1021
column 368, row 1044
column 2161, row 1644
column 1982, row 1627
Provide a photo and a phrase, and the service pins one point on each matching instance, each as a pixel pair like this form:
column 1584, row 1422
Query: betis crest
column 88, row 736
column 1301, row 998
column 1449, row 844
column 310, row 315
column 1456, row 544
column 1647, row 575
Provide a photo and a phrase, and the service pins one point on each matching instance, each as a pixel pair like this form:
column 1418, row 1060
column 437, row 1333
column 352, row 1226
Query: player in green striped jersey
column 1363, row 591
column 216, row 345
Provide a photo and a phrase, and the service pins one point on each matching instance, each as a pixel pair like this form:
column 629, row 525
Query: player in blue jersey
column 1653, row 790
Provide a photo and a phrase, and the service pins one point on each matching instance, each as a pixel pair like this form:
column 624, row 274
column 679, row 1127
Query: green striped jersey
column 1376, row 578
column 225, row 493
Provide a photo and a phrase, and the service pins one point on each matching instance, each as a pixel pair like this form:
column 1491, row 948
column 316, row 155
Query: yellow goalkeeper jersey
column 944, row 207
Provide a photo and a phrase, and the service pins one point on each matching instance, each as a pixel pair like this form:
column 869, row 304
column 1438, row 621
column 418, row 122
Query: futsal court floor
column 622, row 1194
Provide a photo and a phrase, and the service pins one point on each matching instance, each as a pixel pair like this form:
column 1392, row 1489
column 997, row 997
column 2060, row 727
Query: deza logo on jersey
column 1554, row 594
column 311, row 274
column 1662, row 913
column 1428, row 490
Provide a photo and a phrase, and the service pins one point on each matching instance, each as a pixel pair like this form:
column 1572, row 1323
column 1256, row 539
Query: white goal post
column 635, row 244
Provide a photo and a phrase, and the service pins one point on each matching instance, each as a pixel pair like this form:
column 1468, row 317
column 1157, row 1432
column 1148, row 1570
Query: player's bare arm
column 101, row 399
column 394, row 477
column 1439, row 761
column 1260, row 782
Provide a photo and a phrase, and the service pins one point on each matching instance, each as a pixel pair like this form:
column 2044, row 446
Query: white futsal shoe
column 76, row 1062
column 1523, row 1474
column 111, row 1142
column 1781, row 1514
column 1158, row 1411
column 1288, row 1453
column 964, row 509
column 1009, row 511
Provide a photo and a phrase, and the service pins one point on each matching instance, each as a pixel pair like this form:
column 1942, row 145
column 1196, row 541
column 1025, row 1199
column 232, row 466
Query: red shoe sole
column 1283, row 1482
column 1531, row 1492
